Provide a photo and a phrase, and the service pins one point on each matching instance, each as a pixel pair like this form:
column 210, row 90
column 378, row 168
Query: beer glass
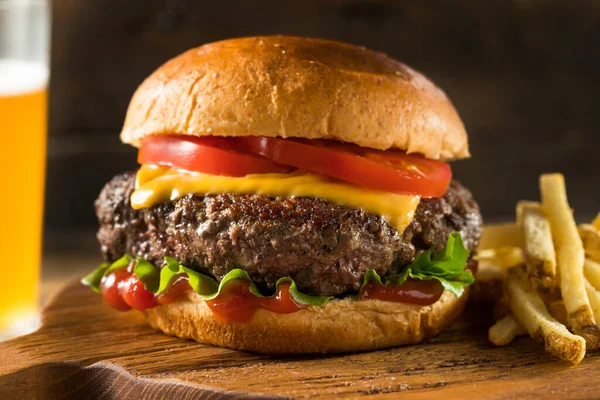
column 24, row 55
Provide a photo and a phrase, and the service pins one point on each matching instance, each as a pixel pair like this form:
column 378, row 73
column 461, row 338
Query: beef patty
column 325, row 248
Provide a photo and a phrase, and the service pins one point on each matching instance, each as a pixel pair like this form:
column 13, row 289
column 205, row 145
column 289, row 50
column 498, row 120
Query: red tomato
column 211, row 155
column 390, row 170
column 135, row 294
column 111, row 289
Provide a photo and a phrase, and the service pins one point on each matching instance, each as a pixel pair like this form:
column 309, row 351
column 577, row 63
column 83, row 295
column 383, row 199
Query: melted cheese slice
column 156, row 184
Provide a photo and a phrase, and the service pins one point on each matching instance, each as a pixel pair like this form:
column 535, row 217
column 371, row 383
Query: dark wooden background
column 524, row 75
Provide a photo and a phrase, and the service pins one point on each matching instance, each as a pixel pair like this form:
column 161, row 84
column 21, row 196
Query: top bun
column 297, row 87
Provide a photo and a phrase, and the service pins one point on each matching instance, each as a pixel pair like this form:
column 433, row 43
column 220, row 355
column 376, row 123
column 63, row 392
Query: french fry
column 529, row 309
column 504, row 331
column 519, row 211
column 505, row 257
column 557, row 309
column 501, row 308
column 489, row 284
column 487, row 270
column 590, row 237
column 596, row 221
column 594, row 296
column 555, row 306
column 569, row 257
column 500, row 235
column 539, row 251
column 591, row 270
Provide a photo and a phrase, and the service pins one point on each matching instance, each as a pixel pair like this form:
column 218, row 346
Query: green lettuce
column 208, row 288
column 446, row 267
column 94, row 278
column 157, row 281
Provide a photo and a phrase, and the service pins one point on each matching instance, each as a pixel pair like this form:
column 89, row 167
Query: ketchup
column 472, row 266
column 177, row 288
column 412, row 291
column 122, row 290
column 112, row 287
column 236, row 303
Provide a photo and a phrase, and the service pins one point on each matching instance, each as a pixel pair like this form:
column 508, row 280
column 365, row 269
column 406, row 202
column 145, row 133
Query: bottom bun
column 341, row 325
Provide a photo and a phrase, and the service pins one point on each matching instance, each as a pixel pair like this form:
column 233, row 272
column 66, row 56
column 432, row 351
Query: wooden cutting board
column 85, row 350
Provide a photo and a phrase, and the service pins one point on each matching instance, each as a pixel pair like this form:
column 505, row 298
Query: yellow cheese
column 156, row 184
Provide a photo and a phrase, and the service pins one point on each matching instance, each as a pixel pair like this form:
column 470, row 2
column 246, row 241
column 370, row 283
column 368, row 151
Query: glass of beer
column 24, row 56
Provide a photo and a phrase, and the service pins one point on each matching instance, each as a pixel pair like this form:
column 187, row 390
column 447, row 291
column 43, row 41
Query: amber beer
column 23, row 93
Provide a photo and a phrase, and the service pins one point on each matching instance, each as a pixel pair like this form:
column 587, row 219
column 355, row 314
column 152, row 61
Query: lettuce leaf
column 208, row 288
column 202, row 284
column 157, row 281
column 447, row 267
column 148, row 274
column 94, row 278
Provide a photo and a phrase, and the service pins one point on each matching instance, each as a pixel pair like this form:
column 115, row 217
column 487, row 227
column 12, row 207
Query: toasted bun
column 339, row 326
column 297, row 87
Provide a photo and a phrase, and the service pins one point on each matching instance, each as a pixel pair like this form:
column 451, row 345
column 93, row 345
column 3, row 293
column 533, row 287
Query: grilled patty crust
column 325, row 248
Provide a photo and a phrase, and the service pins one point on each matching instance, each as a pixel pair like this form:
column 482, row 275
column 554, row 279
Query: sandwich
column 294, row 196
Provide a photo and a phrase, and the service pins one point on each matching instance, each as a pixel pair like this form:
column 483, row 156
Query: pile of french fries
column 551, row 271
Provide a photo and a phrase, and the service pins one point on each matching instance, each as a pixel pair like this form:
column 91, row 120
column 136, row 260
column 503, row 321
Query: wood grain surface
column 86, row 350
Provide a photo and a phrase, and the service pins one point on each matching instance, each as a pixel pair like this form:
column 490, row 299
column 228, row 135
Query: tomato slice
column 390, row 170
column 211, row 155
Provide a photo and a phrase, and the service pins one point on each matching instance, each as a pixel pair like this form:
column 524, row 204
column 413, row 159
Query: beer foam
column 20, row 77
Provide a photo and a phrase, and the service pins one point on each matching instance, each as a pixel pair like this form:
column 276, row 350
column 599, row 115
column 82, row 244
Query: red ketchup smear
column 176, row 289
column 472, row 266
column 112, row 287
column 122, row 290
column 237, row 304
column 414, row 291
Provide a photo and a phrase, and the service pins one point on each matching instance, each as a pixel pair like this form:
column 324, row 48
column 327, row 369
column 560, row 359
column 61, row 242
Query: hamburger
column 294, row 196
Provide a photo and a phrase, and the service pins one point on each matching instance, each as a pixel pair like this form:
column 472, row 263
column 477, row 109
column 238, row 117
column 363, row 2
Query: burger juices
column 293, row 197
